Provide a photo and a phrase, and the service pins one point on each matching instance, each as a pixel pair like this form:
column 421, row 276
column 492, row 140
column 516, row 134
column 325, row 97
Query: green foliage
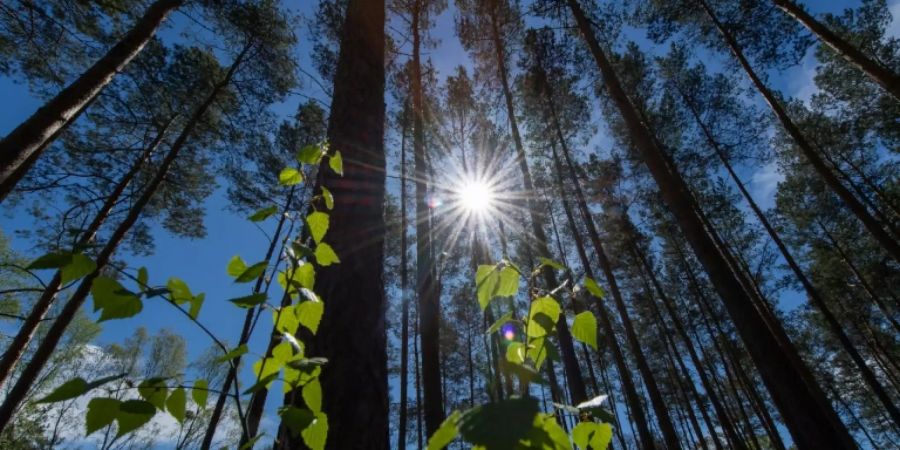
column 325, row 255
column 263, row 213
column 290, row 176
column 584, row 328
column 336, row 163
column 200, row 391
column 493, row 281
column 79, row 266
column 249, row 301
column 542, row 317
column 318, row 225
column 240, row 350
column 113, row 300
column 176, row 404
column 328, row 198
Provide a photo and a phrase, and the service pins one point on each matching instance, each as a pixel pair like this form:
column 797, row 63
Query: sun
column 475, row 196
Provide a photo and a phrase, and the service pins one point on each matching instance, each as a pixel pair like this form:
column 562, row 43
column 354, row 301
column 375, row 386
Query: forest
column 429, row 224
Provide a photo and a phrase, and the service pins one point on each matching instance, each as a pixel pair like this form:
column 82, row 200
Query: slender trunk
column 818, row 163
column 55, row 333
column 812, row 423
column 352, row 334
column 567, row 349
column 632, row 398
column 23, row 337
column 882, row 75
column 245, row 334
column 420, row 421
column 20, row 149
column 404, row 299
column 814, row 295
column 680, row 388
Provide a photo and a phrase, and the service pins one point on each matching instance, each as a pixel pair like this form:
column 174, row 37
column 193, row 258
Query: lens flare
column 475, row 196
column 509, row 331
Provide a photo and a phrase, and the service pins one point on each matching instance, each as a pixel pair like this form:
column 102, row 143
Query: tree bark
column 29, row 326
column 20, row 149
column 882, row 75
column 813, row 424
column 352, row 334
column 55, row 333
column 404, row 300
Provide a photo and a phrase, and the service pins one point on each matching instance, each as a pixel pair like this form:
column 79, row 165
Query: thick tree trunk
column 817, row 300
column 352, row 334
column 874, row 227
column 577, row 391
column 813, row 424
column 42, row 354
column 632, row 397
column 20, row 149
column 23, row 337
column 889, row 80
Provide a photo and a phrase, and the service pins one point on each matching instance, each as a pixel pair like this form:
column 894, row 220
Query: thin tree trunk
column 882, row 75
column 818, row 163
column 632, row 398
column 404, row 299
column 23, row 337
column 352, row 334
column 20, row 149
column 420, row 420
column 567, row 349
column 55, row 333
column 812, row 423
column 814, row 296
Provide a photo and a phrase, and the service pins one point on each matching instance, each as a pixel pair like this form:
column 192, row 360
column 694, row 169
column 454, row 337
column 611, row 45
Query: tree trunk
column 818, row 163
column 55, row 333
column 813, row 424
column 20, row 149
column 404, row 300
column 889, row 80
column 577, row 390
column 23, row 337
column 632, row 397
column 352, row 334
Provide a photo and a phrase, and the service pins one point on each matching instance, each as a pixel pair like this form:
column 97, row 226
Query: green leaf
column 79, row 266
column 249, row 301
column 132, row 415
column 303, row 276
column 143, row 278
column 508, row 284
column 263, row 214
column 495, row 327
column 515, row 353
column 602, row 437
column 287, row 321
column 179, row 290
column 236, row 266
column 113, row 300
column 252, row 273
column 596, row 436
column 327, row 198
column 200, row 392
column 584, row 328
column 548, row 435
column 311, row 154
column 309, row 314
column 196, row 303
column 315, row 435
column 306, row 364
column 486, row 281
column 266, row 368
column 543, row 315
column 296, row 419
column 262, row 383
column 290, row 176
column 581, row 434
column 101, row 412
column 551, row 263
column 154, row 390
column 249, row 444
column 68, row 390
column 325, row 255
column 312, row 395
column 446, row 433
column 594, row 288
column 55, row 260
column 538, row 350
column 318, row 225
column 240, row 350
column 176, row 404
column 500, row 424
column 336, row 162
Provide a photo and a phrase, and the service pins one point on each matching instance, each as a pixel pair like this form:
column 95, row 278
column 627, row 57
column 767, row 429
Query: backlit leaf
column 200, row 392
column 594, row 288
column 336, row 162
column 325, row 255
column 154, row 390
column 290, row 176
column 446, row 433
column 114, row 301
column 584, row 328
column 249, row 301
column 240, row 350
column 54, row 260
column 176, row 404
column 315, row 435
column 318, row 225
column 101, row 412
column 312, row 395
column 252, row 273
column 179, row 290
column 543, row 315
column 263, row 214
column 79, row 266
column 132, row 415
column 515, row 353
column 499, row 425
column 236, row 266
column 309, row 314
column 68, row 390
column 328, row 198
column 311, row 154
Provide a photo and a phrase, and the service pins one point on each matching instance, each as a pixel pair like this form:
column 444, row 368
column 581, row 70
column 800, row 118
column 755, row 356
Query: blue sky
column 201, row 263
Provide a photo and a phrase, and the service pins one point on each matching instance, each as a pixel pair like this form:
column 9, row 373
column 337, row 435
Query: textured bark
column 352, row 333
column 29, row 326
column 818, row 163
column 55, row 333
column 20, row 149
column 632, row 398
column 889, row 80
column 814, row 296
column 811, row 423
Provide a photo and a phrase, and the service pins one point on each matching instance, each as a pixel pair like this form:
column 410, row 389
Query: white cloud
column 764, row 183
column 893, row 29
